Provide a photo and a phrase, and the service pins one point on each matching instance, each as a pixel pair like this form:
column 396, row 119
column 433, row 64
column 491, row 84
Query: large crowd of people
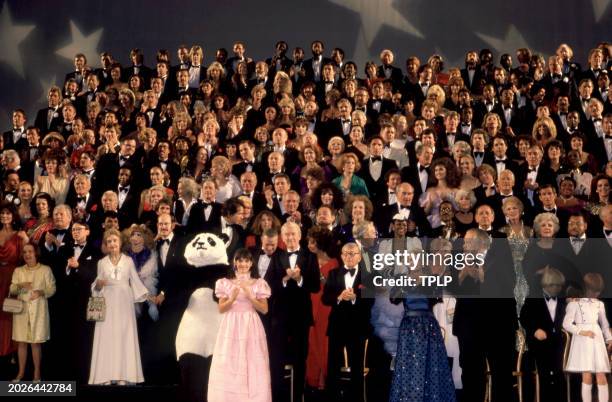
column 306, row 166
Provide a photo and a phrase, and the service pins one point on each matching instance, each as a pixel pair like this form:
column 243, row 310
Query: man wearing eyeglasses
column 349, row 322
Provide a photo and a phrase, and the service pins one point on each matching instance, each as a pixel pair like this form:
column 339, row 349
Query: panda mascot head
column 206, row 255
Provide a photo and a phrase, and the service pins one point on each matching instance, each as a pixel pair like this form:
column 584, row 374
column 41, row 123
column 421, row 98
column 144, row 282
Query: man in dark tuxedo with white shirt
column 407, row 206
column 81, row 264
column 313, row 67
column 248, row 183
column 205, row 215
column 246, row 149
column 349, row 322
column 533, row 174
column 49, row 118
column 299, row 277
column 417, row 174
column 388, row 71
column 109, row 164
column 170, row 298
column 374, row 168
column 451, row 133
column 16, row 137
column 471, row 74
column 81, row 199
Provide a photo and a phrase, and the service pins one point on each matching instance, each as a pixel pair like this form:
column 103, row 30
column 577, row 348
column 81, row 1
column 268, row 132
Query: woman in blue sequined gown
column 421, row 371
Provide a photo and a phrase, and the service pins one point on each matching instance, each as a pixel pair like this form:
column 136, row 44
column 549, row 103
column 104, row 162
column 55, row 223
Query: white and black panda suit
column 206, row 256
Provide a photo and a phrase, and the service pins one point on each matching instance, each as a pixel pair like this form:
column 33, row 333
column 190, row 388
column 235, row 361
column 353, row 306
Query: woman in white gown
column 116, row 353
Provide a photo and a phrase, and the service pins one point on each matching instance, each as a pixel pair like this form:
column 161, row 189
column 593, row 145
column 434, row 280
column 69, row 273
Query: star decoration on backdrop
column 512, row 41
column 375, row 14
column 46, row 85
column 88, row 45
column 599, row 8
column 12, row 36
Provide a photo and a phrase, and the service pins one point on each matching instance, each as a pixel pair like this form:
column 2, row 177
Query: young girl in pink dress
column 585, row 319
column 240, row 369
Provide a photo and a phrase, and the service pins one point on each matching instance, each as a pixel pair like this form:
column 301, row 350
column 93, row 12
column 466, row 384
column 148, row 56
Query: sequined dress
column 421, row 370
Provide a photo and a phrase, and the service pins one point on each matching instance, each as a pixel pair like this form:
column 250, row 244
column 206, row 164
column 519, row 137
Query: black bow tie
column 533, row 169
column 506, row 108
column 608, row 232
column 479, row 154
column 59, row 232
column 161, row 242
column 124, row 158
column 583, row 100
column 207, row 204
column 562, row 113
column 363, row 109
column 422, row 168
column 578, row 239
column 596, row 120
column 376, row 158
column 350, row 271
column 81, row 199
column 552, row 211
column 556, row 75
column 465, row 125
column 400, row 207
column 329, row 82
column 500, row 161
column 123, row 189
column 549, row 298
column 424, row 84
column 79, row 246
column 290, row 253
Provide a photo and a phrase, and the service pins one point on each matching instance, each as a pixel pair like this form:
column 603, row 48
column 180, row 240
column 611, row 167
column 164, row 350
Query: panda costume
column 206, row 256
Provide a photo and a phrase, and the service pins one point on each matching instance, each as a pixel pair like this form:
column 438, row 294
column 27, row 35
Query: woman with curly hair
column 600, row 194
column 327, row 194
column 544, row 131
column 263, row 221
column 42, row 206
column 444, row 182
column 56, row 182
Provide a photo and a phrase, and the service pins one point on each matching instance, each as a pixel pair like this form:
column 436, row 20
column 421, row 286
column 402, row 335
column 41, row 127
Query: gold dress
column 32, row 324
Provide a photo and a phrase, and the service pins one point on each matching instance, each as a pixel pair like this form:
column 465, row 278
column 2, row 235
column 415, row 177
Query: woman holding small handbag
column 33, row 284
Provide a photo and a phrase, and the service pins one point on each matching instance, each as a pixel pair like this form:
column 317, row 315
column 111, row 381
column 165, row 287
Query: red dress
column 10, row 253
column 316, row 362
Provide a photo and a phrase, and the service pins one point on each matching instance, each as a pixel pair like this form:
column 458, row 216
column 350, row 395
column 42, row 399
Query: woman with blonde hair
column 544, row 131
column 228, row 185
column 282, row 84
column 116, row 351
column 436, row 94
column 452, row 97
column 56, row 182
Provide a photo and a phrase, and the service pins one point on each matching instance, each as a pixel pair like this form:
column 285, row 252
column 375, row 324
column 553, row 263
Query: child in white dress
column 585, row 319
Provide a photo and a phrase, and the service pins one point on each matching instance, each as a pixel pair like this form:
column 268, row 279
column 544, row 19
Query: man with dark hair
column 16, row 138
column 313, row 67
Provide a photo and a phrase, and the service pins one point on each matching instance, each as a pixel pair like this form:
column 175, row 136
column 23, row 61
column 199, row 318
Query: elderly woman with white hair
column 188, row 191
column 228, row 185
column 542, row 253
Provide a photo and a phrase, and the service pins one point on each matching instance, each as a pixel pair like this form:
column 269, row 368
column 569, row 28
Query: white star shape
column 361, row 53
column 599, row 8
column 510, row 43
column 88, row 45
column 375, row 14
column 46, row 85
column 12, row 36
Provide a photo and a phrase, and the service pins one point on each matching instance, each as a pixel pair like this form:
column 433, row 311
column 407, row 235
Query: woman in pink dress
column 319, row 241
column 240, row 368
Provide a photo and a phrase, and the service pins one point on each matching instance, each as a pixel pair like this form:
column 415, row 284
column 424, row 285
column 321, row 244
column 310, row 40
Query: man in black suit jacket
column 16, row 137
column 547, row 202
column 388, row 71
column 349, row 322
column 542, row 319
column 163, row 160
column 109, row 164
column 507, row 111
column 246, row 149
column 280, row 61
column 81, row 265
column 485, row 321
column 472, row 75
column 534, row 174
column 298, row 271
column 49, row 245
column 248, row 183
column 417, row 174
column 82, row 200
column 313, row 67
column 451, row 133
column 375, row 167
column 171, row 298
column 407, row 206
column 137, row 68
column 205, row 215
column 49, row 118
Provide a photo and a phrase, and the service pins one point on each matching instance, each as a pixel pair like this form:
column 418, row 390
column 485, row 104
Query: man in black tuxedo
column 507, row 111
column 408, row 207
column 279, row 139
column 246, row 149
column 109, row 164
column 417, row 174
column 170, row 299
column 388, row 196
column 81, row 265
column 375, row 167
column 280, row 61
column 542, row 319
column 16, row 138
column 261, row 77
column 340, row 126
column 451, row 133
column 327, row 83
column 349, row 322
column 388, row 71
column 378, row 103
column 313, row 67
column 547, row 202
column 499, row 159
column 418, row 91
column 49, row 118
column 81, row 200
column 298, row 276
column 205, row 215
column 49, row 245
column 12, row 162
column 81, row 70
column 248, row 183
column 128, row 197
column 291, row 205
column 471, row 74
column 182, row 86
column 137, row 68
column 166, row 163
column 485, row 321
column 533, row 174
